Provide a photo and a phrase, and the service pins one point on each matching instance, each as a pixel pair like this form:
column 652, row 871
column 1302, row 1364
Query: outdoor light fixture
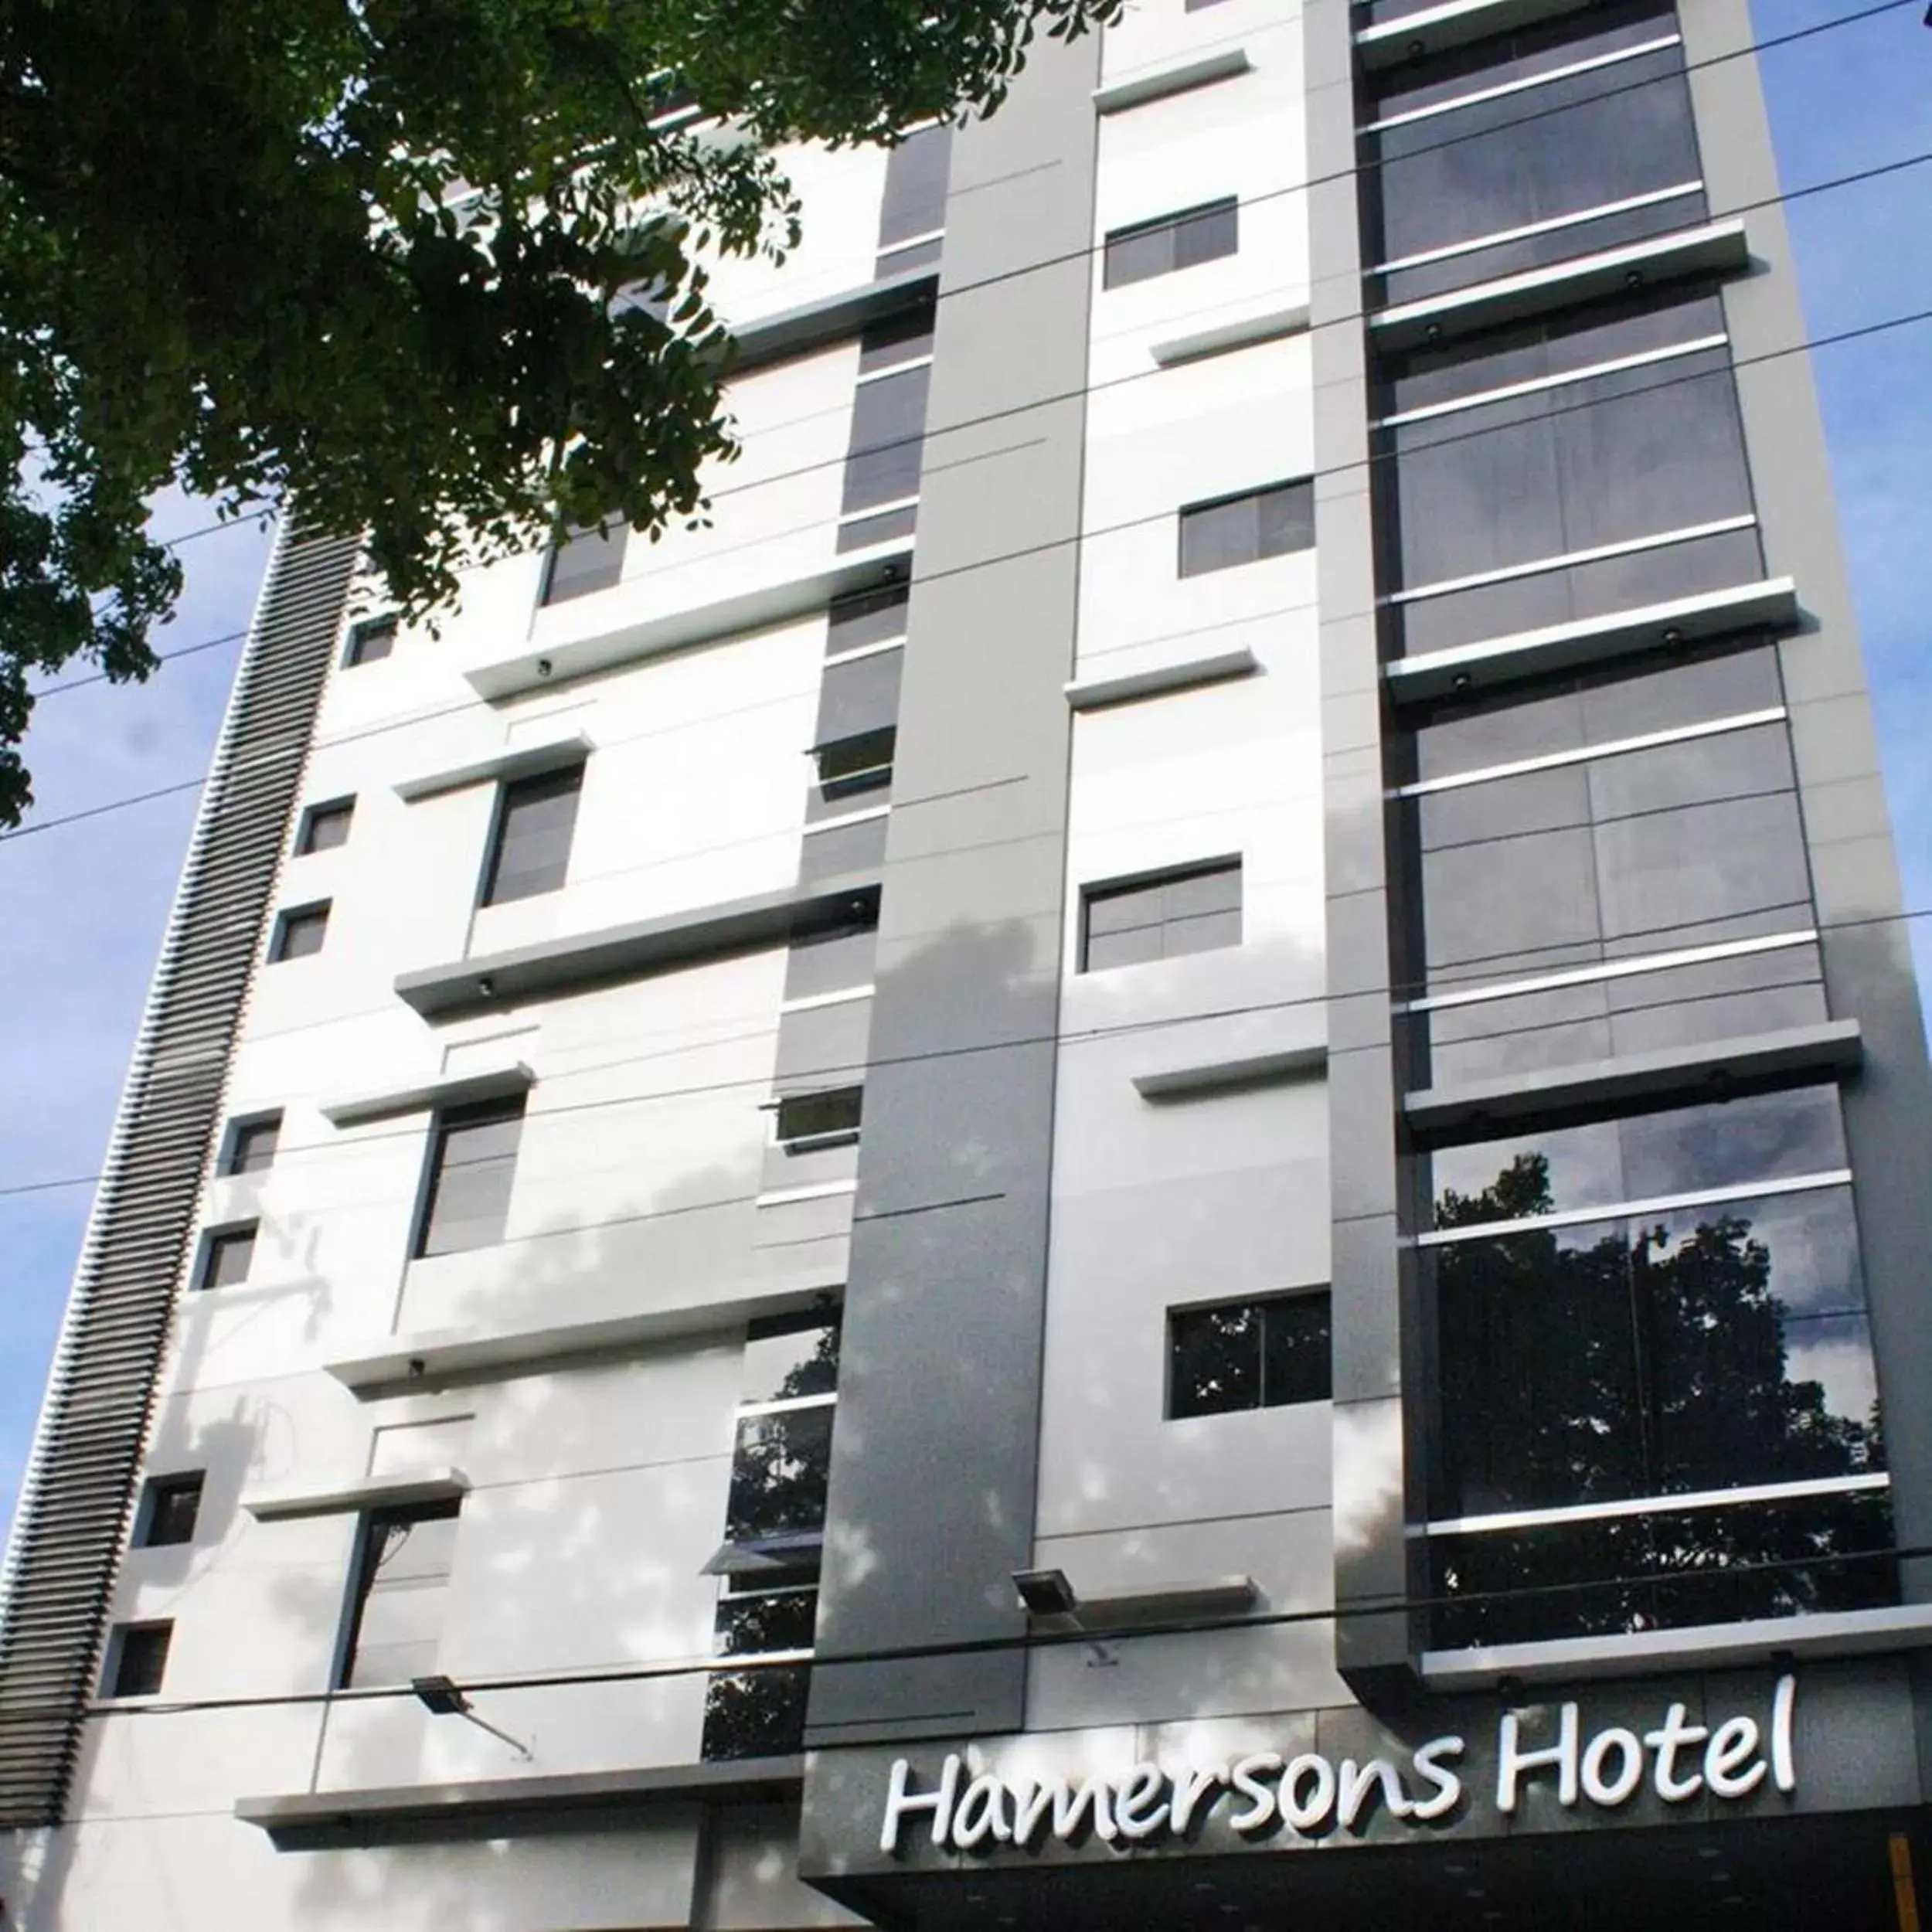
column 441, row 1697
column 1045, row 1593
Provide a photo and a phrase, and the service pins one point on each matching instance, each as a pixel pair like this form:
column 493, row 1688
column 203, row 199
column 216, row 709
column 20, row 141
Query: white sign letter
column 1247, row 1776
column 1666, row 1741
column 1513, row 1760
column 1309, row 1815
column 1612, row 1790
column 981, row 1809
column 1448, row 1786
column 1355, row 1781
column 1732, row 1743
column 1139, row 1816
column 1190, row 1788
column 900, row 1800
column 1783, row 1767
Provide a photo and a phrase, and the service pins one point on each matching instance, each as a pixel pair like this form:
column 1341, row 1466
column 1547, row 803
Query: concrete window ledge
column 636, row 632
column 445, row 1089
column 509, row 1807
column 372, row 1492
column 1091, row 693
column 1770, row 604
column 513, row 761
column 1211, row 1077
column 1433, row 30
column 1243, row 332
column 1712, row 248
column 641, row 946
column 1842, row 1633
column 1157, row 83
column 400, row 1364
column 1834, row 1047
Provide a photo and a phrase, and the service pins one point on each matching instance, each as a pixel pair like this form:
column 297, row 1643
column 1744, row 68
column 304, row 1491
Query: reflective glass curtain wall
column 1653, row 1400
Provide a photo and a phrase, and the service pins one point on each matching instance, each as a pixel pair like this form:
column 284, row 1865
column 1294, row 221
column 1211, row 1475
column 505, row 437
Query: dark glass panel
column 371, row 640
column 755, row 1713
column 252, row 1149
column 902, row 338
column 888, row 429
column 227, row 1258
column 140, row 1659
column 779, row 1473
column 914, row 200
column 861, row 763
column 1603, row 332
column 1679, row 1150
column 859, row 697
column 811, row 1116
column 299, row 933
column 870, row 617
column 584, row 560
column 861, row 532
column 535, row 825
column 403, row 1577
column 174, row 1503
column 1135, row 947
column 472, row 1166
column 1686, row 1353
column 1666, row 1571
column 749, row 1626
column 1214, row 1360
column 325, row 827
column 791, row 1355
column 1171, row 242
column 1244, row 529
column 1295, row 1350
column 831, row 959
column 840, row 849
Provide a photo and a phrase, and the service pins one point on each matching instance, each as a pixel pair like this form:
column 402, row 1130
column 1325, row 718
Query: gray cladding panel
column 933, row 1464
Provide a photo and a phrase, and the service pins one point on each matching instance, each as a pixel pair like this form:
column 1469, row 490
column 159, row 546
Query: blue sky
column 85, row 903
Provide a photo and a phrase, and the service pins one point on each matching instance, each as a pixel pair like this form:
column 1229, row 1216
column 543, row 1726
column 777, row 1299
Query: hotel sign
column 1312, row 1794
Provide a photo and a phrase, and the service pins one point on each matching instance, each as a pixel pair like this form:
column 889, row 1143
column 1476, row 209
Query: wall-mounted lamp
column 441, row 1697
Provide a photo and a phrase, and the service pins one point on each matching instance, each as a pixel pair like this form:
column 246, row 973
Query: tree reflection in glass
column 1631, row 1358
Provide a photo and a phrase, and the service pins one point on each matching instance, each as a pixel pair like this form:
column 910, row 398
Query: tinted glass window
column 872, row 617
column 859, row 764
column 862, row 532
column 371, row 640
column 779, row 1472
column 585, row 559
column 914, row 202
column 299, row 933
column 1666, row 1571
column 325, row 827
column 859, row 698
column 888, row 423
column 1193, row 911
column 534, row 826
column 902, row 338
column 472, row 1163
column 251, row 1148
column 1250, row 1355
column 174, row 1502
column 1171, row 242
column 1245, row 529
column 832, row 959
column 402, row 1583
column 140, row 1659
column 787, row 1356
column 818, row 1116
column 227, row 1257
column 1678, row 1150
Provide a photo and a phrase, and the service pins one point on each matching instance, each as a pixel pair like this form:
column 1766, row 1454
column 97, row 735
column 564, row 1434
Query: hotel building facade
column 1155, row 1153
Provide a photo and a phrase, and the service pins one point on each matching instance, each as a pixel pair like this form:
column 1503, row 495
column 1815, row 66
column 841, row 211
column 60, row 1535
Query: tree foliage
column 374, row 253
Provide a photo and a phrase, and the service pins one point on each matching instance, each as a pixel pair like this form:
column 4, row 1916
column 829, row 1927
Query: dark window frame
column 328, row 812
column 539, row 787
column 1290, row 534
column 133, row 1652
column 1188, row 229
column 236, row 1153
column 293, row 919
column 216, row 1242
column 163, row 1498
column 496, row 1111
column 1319, row 1298
column 371, row 1528
column 811, row 1140
column 372, row 639
column 1101, row 892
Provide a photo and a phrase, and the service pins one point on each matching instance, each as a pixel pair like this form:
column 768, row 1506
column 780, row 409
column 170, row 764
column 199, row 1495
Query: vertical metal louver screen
column 75, row 1507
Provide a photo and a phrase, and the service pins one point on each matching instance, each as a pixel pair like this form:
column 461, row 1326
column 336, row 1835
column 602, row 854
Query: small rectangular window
column 1248, row 1354
column 252, row 1143
column 169, row 1511
column 299, row 932
column 534, row 824
column 472, row 1162
column 227, row 1257
column 585, row 559
column 371, row 640
column 887, row 447
column 395, row 1610
column 137, row 1659
column 862, row 763
column 325, row 827
column 867, row 618
column 824, row 1119
column 913, row 203
column 1196, row 911
column 1234, row 530
column 1171, row 242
